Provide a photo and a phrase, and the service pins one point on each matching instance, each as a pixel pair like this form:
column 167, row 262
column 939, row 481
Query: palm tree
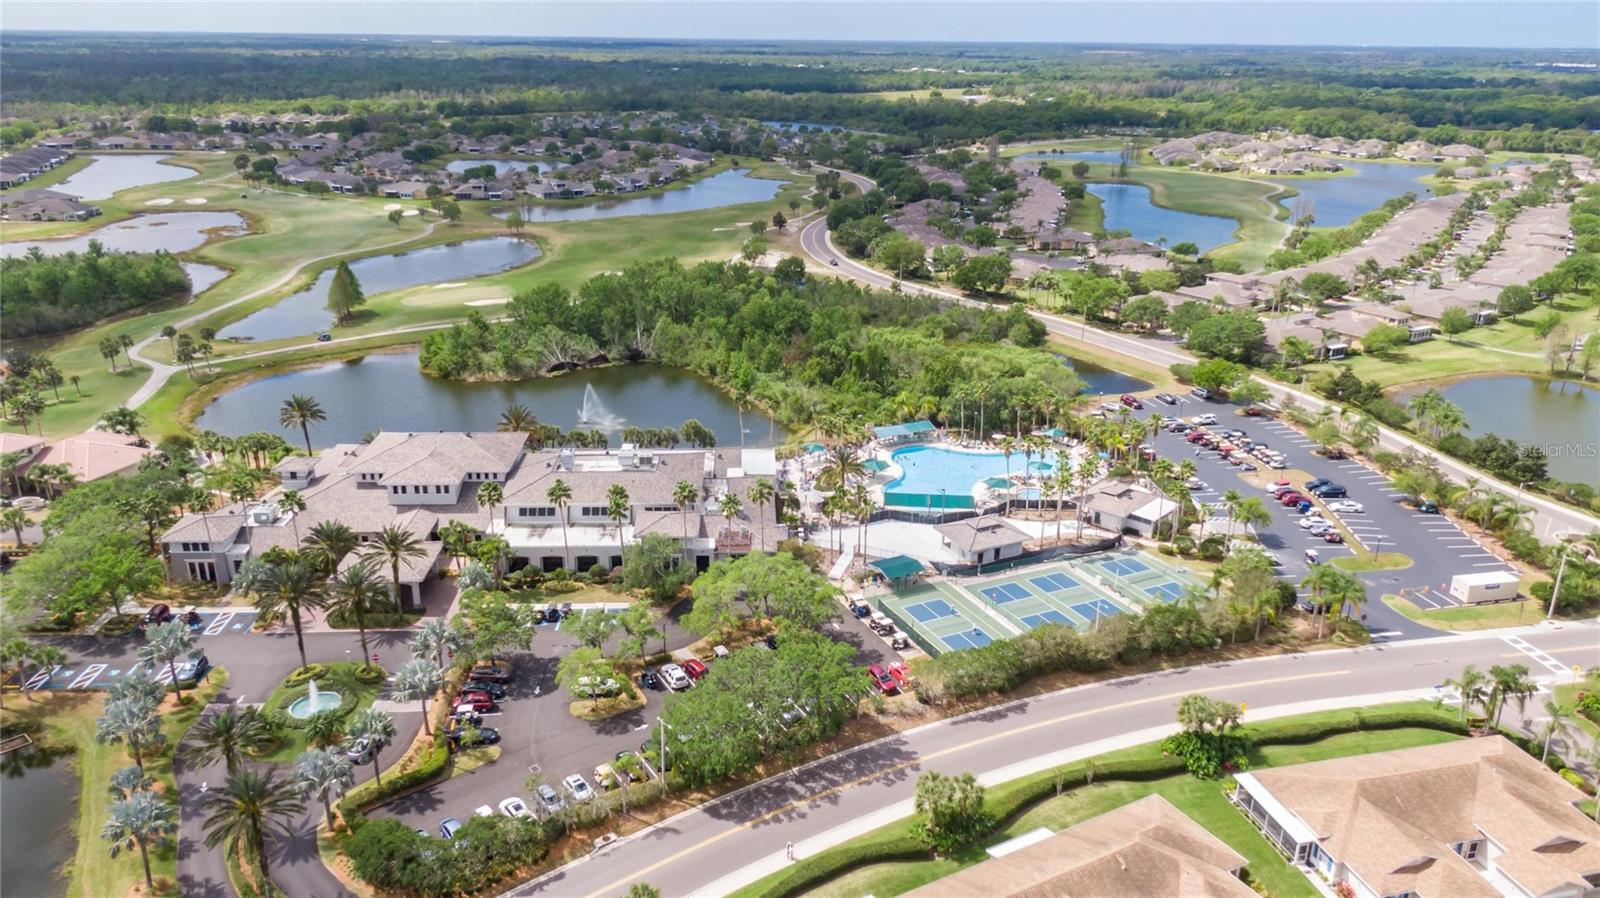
column 130, row 722
column 1472, row 686
column 164, row 644
column 392, row 546
column 419, row 679
column 517, row 418
column 489, row 495
column 325, row 773
column 560, row 495
column 761, row 494
column 374, row 726
column 456, row 537
column 1231, row 500
column 1008, row 445
column 684, row 495
column 128, row 780
column 1252, row 512
column 1508, row 683
column 14, row 519
column 617, row 510
column 228, row 735
column 245, row 810
column 1558, row 722
column 293, row 503
column 301, row 411
column 729, row 506
column 840, row 468
column 435, row 637
column 328, row 544
column 1328, row 585
column 139, row 821
column 292, row 587
column 354, row 593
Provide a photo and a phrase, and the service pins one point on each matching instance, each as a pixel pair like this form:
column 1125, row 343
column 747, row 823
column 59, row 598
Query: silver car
column 549, row 798
column 578, row 787
column 674, row 677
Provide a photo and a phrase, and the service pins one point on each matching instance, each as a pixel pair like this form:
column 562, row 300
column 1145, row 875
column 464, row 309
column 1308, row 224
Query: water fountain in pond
column 315, row 702
column 593, row 412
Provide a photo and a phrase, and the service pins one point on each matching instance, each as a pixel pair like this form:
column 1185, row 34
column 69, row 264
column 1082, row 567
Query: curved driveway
column 815, row 806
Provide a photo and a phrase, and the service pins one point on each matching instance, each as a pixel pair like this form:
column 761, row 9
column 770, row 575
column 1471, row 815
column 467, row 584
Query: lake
column 1100, row 380
column 1337, row 200
column 389, row 392
column 203, row 277
column 1128, row 208
column 1109, row 157
column 729, row 188
column 796, row 126
column 106, row 175
column 1561, row 416
column 39, row 791
column 501, row 166
column 306, row 312
column 175, row 232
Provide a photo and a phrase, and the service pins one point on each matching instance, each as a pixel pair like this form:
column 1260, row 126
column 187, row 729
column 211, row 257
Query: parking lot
column 1438, row 548
column 100, row 672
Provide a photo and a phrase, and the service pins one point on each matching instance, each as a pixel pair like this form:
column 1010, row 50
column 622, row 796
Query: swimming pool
column 932, row 470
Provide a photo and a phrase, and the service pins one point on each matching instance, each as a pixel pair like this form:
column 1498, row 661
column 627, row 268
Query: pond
column 307, row 311
column 40, row 794
column 175, row 232
column 501, row 166
column 389, row 392
column 203, row 277
column 796, row 126
column 729, row 188
column 108, row 174
column 1128, row 208
column 1337, row 200
column 1109, row 157
column 1561, row 416
column 1099, row 380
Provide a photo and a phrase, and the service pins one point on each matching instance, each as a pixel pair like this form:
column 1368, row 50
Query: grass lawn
column 69, row 720
column 1359, row 564
column 1160, row 378
column 1567, row 697
column 1471, row 617
column 1203, row 800
column 467, row 761
column 340, row 678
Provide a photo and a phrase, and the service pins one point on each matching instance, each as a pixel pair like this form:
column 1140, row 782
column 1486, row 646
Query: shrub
column 304, row 674
column 562, row 587
column 600, row 573
column 1576, row 779
column 1184, row 544
column 1213, row 548
column 807, row 874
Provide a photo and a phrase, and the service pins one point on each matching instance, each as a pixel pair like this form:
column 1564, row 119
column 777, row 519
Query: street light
column 1555, row 589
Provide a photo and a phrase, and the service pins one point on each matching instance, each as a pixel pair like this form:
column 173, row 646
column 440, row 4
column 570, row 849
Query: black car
column 486, row 736
column 1319, row 483
column 566, row 609
column 650, row 679
column 1168, row 398
column 552, row 613
column 492, row 673
column 497, row 691
column 158, row 614
column 1330, row 491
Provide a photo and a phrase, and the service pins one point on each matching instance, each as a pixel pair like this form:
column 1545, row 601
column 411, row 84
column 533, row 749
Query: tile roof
column 94, row 454
column 978, row 534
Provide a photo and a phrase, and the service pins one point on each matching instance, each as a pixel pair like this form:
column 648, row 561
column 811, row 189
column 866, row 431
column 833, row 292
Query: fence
column 917, row 637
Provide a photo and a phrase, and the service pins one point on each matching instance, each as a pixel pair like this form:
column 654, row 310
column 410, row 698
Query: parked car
column 650, row 679
column 497, row 691
column 674, row 677
column 486, row 735
column 483, row 810
column 461, row 717
column 324, row 337
column 1207, row 418
column 1330, row 491
column 492, row 673
column 578, row 787
column 1346, row 506
column 477, row 701
column 1313, row 485
column 881, row 680
column 1333, row 536
column 1200, row 393
column 360, row 751
column 193, row 669
column 1319, row 527
column 1291, row 499
column 1168, row 398
column 549, row 799
column 158, row 614
column 552, row 613
column 1196, row 436
column 694, row 667
column 901, row 674
column 1196, row 484
column 515, row 807
column 448, row 827
column 605, row 777
column 1131, row 401
column 1336, row 454
column 1427, row 506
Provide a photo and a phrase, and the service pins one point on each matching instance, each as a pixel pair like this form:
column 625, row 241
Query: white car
column 674, row 677
column 1310, row 521
column 515, row 807
column 1345, row 506
column 483, row 810
column 1319, row 527
column 1203, row 419
column 1196, row 484
column 578, row 787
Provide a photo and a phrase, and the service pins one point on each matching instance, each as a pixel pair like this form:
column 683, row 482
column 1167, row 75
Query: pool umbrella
column 998, row 483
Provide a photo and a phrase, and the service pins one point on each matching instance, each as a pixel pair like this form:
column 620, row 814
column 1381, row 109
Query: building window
column 195, row 547
column 536, row 512
column 593, row 511
column 662, row 508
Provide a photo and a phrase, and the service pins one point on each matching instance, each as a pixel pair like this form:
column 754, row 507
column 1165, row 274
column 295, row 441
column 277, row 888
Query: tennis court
column 1047, row 593
column 941, row 618
column 1139, row 578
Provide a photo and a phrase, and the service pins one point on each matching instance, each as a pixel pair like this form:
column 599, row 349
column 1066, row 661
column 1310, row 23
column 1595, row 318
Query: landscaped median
column 892, row 859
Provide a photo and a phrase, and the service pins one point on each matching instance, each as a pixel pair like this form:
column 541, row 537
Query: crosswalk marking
column 1537, row 654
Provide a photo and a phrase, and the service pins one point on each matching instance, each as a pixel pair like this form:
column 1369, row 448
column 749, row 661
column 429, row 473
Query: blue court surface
column 971, row 639
column 1053, row 582
column 1124, row 567
column 1046, row 617
column 1005, row 592
column 1165, row 592
column 1096, row 608
column 931, row 610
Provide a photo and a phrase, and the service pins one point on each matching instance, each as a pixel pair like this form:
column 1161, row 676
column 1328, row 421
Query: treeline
column 42, row 294
column 808, row 349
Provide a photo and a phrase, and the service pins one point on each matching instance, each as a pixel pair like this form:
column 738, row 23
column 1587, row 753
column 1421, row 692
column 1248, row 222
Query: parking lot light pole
column 666, row 784
column 1555, row 589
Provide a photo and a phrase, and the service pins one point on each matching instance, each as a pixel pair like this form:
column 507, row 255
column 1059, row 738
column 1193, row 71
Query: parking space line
column 40, row 678
column 1490, row 564
column 220, row 623
column 88, row 676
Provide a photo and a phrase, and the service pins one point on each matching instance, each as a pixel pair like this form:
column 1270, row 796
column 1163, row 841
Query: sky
column 1430, row 23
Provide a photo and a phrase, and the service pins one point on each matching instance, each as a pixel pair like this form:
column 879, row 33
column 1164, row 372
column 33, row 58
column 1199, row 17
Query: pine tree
column 344, row 294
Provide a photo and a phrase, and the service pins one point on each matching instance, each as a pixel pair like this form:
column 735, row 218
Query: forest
column 42, row 294
column 809, row 350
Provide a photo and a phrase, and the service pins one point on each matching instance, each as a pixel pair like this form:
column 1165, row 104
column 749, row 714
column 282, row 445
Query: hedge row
column 431, row 765
column 813, row 871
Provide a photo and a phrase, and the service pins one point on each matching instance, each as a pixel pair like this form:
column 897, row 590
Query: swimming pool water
column 932, row 469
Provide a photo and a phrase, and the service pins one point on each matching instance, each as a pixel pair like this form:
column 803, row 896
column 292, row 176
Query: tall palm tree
column 374, row 726
column 1230, row 501
column 128, row 780
column 489, row 495
column 392, row 546
column 517, row 418
column 560, row 495
column 301, row 411
column 249, row 806
column 435, row 637
column 761, row 495
column 132, row 723
column 840, row 469
column 227, row 736
column 729, row 505
column 684, row 495
column 1008, row 445
column 292, row 502
column 1558, row 722
column 292, row 587
column 354, row 593
column 325, row 773
column 1472, row 686
column 1329, row 586
column 139, row 821
column 328, row 544
column 1252, row 512
column 417, row 681
column 164, row 644
column 617, row 509
column 1509, row 683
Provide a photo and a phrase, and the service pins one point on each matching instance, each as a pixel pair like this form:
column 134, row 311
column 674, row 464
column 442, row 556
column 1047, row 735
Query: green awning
column 898, row 567
column 874, row 465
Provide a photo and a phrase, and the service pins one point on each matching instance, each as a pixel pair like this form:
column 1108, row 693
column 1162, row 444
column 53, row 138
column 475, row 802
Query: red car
column 1196, row 436
column 1291, row 499
column 1131, row 401
column 901, row 674
column 693, row 667
column 1332, row 536
column 881, row 680
column 477, row 701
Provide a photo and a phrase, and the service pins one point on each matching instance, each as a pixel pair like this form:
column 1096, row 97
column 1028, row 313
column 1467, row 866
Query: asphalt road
column 689, row 853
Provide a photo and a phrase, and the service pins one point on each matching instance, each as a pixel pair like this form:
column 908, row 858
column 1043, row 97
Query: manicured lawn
column 69, row 720
column 340, row 678
column 1471, row 617
column 1567, row 697
column 1358, row 564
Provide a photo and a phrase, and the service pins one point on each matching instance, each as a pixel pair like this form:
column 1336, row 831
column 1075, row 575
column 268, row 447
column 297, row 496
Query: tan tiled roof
column 978, row 534
column 1393, row 816
column 1147, row 848
column 218, row 529
column 438, row 457
column 94, row 454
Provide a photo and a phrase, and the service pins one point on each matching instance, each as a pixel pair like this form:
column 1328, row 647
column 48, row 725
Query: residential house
column 1124, row 246
column 45, row 205
column 479, row 189
column 1117, row 505
column 93, row 455
column 1059, row 239
column 1457, row 152
column 412, row 190
column 1310, row 327
column 1473, row 818
column 1418, row 151
column 1236, row 291
column 982, row 540
column 1144, row 848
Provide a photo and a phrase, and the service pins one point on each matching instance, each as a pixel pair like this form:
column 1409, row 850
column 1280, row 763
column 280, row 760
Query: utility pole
column 1555, row 590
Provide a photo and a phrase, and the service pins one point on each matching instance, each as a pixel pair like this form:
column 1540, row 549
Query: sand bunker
column 410, row 213
column 196, row 201
column 487, row 302
column 451, row 284
column 162, row 201
column 390, row 207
